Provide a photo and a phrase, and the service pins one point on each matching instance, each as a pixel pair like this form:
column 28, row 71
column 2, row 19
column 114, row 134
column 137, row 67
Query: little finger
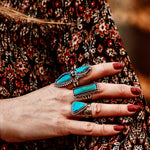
column 92, row 129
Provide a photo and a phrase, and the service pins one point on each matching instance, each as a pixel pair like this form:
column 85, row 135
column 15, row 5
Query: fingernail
column 132, row 108
column 135, row 91
column 118, row 65
column 118, row 128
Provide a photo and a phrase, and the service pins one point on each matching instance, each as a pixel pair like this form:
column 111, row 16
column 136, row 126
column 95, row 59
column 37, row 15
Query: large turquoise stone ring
column 84, row 92
column 72, row 76
column 82, row 109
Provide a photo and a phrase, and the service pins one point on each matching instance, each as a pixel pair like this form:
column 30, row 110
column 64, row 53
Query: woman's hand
column 47, row 112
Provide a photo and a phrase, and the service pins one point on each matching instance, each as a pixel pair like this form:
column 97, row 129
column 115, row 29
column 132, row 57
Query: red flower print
column 102, row 28
column 40, row 71
column 80, row 58
column 110, row 43
column 111, row 52
column 30, row 51
column 4, row 81
column 2, row 64
column 76, row 39
column 50, row 12
column 65, row 56
column 100, row 48
column 95, row 148
column 21, row 67
column 10, row 73
column 122, row 51
column 87, row 15
column 18, row 82
column 4, row 91
column 114, row 34
column 26, row 87
column 17, row 92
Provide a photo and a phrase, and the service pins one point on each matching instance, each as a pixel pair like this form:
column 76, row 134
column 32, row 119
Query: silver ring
column 81, row 109
column 85, row 92
column 75, row 82
column 87, row 112
column 72, row 76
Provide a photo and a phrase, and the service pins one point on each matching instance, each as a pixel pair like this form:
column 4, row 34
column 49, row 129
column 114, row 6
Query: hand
column 46, row 113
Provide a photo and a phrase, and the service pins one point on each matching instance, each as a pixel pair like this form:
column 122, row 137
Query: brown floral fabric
column 33, row 55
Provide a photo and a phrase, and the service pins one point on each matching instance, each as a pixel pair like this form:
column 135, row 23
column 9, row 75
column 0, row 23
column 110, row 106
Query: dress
column 34, row 55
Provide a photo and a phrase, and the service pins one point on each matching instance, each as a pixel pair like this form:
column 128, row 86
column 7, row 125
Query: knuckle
column 88, row 128
column 123, row 89
column 65, row 109
column 60, row 122
column 102, row 130
column 65, row 95
column 96, row 109
column 62, row 128
column 119, row 110
column 103, row 69
column 101, row 87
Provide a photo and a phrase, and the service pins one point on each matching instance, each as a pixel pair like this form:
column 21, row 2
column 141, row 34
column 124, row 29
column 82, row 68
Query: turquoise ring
column 81, row 109
column 72, row 76
column 85, row 92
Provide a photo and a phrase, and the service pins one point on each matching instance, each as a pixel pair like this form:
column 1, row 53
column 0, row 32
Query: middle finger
column 101, row 90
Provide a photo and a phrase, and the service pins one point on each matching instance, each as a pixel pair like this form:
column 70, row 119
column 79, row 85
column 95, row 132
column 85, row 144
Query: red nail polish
column 135, row 91
column 118, row 65
column 118, row 128
column 133, row 108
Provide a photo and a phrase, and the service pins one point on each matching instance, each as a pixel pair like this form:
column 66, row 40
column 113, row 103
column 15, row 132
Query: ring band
column 85, row 92
column 72, row 76
column 87, row 112
column 82, row 109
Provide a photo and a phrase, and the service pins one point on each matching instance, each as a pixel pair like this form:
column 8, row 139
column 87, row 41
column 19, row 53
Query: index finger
column 98, row 71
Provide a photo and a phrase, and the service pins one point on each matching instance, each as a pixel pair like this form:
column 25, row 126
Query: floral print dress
column 33, row 55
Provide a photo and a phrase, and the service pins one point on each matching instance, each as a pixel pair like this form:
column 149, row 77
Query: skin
column 46, row 113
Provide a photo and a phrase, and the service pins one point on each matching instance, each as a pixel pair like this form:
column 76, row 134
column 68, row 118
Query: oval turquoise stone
column 64, row 78
column 81, row 69
column 85, row 89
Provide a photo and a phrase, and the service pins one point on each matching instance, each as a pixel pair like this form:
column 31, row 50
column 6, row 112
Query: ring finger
column 95, row 110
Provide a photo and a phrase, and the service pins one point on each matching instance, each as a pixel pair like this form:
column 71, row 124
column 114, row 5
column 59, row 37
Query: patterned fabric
column 33, row 56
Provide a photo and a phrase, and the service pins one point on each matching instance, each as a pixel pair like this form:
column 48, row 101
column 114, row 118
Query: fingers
column 80, row 109
column 101, row 70
column 87, row 128
column 115, row 90
column 105, row 110
column 101, row 90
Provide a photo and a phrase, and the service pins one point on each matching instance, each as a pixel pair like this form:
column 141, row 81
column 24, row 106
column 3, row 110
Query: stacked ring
column 72, row 76
column 80, row 93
